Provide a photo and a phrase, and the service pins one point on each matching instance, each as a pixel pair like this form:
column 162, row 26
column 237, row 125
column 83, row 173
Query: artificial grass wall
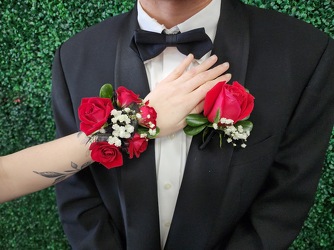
column 30, row 31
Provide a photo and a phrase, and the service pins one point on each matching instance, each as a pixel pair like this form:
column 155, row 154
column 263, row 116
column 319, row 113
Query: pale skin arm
column 41, row 166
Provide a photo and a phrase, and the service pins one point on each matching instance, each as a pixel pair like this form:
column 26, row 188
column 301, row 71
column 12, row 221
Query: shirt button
column 167, row 186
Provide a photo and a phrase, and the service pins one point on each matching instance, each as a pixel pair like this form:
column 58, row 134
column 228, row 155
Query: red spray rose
column 93, row 113
column 137, row 145
column 148, row 117
column 125, row 97
column 233, row 101
column 108, row 155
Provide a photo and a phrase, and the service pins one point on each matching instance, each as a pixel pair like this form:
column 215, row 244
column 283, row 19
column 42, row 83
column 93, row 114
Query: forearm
column 41, row 166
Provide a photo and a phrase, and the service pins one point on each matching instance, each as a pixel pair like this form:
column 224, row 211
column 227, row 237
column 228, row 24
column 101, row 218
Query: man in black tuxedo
column 229, row 198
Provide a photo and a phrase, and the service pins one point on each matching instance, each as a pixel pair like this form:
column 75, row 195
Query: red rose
column 125, row 97
column 233, row 101
column 148, row 117
column 108, row 155
column 93, row 113
column 137, row 145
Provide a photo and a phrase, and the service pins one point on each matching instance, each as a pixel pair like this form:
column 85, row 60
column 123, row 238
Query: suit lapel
column 206, row 170
column 137, row 178
column 232, row 39
column 129, row 69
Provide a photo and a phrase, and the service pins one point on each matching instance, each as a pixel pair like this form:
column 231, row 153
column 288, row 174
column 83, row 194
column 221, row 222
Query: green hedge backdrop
column 30, row 31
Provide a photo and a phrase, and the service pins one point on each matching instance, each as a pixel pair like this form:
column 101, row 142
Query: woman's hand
column 182, row 92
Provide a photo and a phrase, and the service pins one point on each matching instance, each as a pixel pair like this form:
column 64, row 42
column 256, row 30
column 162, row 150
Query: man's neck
column 172, row 12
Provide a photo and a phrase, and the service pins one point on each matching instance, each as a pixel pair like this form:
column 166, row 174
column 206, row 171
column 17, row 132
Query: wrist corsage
column 117, row 123
column 226, row 110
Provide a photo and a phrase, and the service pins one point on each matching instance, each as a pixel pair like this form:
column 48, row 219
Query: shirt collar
column 200, row 19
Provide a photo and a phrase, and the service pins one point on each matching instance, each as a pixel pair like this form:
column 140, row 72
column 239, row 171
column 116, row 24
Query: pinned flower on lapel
column 226, row 110
column 115, row 123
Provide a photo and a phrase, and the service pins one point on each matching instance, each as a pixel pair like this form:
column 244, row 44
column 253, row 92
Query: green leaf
column 107, row 91
column 158, row 131
column 205, row 133
column 189, row 130
column 195, row 120
column 142, row 130
column 217, row 118
column 246, row 125
column 220, row 140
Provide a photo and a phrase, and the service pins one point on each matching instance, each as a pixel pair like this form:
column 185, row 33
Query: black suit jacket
column 230, row 198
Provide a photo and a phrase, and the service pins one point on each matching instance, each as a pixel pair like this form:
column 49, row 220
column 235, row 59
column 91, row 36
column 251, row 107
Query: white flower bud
column 121, row 118
column 127, row 135
column 240, row 129
column 116, row 113
column 152, row 125
column 144, row 135
column 115, row 133
column 115, row 126
column 118, row 142
column 152, row 131
column 129, row 128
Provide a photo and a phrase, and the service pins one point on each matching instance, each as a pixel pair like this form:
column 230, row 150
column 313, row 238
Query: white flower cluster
column 233, row 133
column 123, row 131
column 152, row 132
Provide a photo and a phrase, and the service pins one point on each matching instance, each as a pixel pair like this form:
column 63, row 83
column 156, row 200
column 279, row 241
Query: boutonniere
column 116, row 123
column 226, row 110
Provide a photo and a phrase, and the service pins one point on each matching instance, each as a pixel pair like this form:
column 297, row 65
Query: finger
column 224, row 78
column 205, row 65
column 200, row 92
column 180, row 69
column 206, row 76
column 196, row 96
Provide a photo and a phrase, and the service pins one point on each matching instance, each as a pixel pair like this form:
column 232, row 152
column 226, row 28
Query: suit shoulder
column 278, row 33
column 97, row 34
column 273, row 22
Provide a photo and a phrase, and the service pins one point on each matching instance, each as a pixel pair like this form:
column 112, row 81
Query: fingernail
column 226, row 64
column 213, row 57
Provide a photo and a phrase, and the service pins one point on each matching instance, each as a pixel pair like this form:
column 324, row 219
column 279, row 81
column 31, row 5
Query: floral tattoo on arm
column 60, row 176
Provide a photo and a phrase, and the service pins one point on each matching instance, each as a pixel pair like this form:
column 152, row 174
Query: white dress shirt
column 171, row 151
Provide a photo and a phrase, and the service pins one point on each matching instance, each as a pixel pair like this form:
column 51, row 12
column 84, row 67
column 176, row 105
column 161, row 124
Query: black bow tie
column 150, row 44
